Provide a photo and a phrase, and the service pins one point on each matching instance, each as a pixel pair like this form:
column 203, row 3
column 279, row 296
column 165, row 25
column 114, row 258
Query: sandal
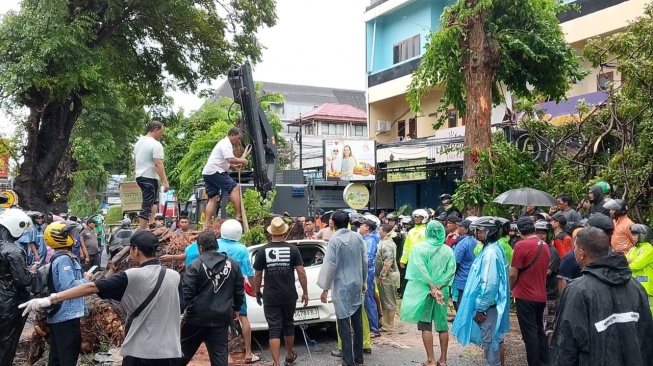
column 289, row 361
column 252, row 359
column 437, row 363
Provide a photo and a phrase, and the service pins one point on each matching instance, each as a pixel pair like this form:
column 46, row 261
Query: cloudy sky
column 315, row 42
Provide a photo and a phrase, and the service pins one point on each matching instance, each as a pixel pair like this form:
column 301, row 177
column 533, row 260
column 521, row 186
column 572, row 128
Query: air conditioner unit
column 383, row 126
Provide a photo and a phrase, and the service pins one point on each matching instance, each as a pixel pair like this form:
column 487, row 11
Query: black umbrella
column 526, row 197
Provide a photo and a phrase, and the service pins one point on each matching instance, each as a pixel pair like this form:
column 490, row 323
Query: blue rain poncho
column 344, row 266
column 430, row 263
column 486, row 285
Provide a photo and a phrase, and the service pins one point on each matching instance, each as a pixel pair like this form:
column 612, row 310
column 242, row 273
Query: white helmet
column 373, row 218
column 15, row 221
column 232, row 230
column 423, row 213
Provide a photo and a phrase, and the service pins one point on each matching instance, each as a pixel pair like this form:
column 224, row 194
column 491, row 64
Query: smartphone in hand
column 92, row 269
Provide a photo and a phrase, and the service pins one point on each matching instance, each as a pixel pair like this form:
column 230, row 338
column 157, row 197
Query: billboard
column 350, row 160
column 397, row 171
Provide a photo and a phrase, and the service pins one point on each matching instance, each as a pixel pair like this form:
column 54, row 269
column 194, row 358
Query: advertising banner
column 131, row 196
column 349, row 160
column 401, row 175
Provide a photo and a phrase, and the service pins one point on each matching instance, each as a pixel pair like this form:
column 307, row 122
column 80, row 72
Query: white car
column 312, row 252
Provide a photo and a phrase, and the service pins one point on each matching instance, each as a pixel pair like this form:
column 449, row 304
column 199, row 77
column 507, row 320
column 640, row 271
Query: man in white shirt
column 148, row 161
column 216, row 174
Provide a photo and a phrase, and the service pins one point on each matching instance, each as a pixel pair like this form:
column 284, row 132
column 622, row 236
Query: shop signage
column 397, row 173
column 356, row 195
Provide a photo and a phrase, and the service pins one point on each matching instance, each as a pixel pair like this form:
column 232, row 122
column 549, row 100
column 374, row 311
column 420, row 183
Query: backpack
column 43, row 283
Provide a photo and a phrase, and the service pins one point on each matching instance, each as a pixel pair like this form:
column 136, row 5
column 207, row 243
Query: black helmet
column 490, row 224
column 619, row 206
column 645, row 234
column 35, row 215
column 391, row 216
column 445, row 196
column 158, row 216
column 543, row 226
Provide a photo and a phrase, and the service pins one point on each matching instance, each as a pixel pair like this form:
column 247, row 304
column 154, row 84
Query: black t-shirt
column 278, row 262
column 552, row 280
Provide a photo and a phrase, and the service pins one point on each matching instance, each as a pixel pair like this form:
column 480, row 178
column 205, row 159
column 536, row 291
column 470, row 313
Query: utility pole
column 299, row 139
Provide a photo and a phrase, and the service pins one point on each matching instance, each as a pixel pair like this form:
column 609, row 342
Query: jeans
column 370, row 306
column 352, row 349
column 529, row 315
column 488, row 327
column 456, row 303
column 215, row 338
column 65, row 343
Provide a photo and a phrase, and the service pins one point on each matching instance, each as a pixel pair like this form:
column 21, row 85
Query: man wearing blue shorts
column 216, row 174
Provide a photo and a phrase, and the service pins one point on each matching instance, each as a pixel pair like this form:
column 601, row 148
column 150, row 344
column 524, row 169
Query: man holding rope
column 216, row 174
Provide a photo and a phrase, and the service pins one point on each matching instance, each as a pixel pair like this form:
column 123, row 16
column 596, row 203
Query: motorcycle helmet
column 505, row 226
column 619, row 206
column 391, row 216
column 373, row 218
column 644, row 232
column 356, row 218
column 126, row 223
column 491, row 225
column 15, row 221
column 605, row 187
column 445, row 196
column 34, row 215
column 407, row 220
column 543, row 226
column 231, row 230
column 423, row 214
column 60, row 234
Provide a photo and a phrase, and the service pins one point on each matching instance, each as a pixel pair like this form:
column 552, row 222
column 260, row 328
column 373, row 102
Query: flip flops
column 289, row 361
column 252, row 359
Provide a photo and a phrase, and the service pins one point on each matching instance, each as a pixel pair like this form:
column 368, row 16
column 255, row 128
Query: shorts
column 550, row 311
column 218, row 182
column 281, row 319
column 243, row 309
column 439, row 318
column 150, row 190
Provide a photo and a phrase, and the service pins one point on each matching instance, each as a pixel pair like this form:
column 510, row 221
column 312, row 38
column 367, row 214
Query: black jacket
column 598, row 202
column 604, row 318
column 210, row 302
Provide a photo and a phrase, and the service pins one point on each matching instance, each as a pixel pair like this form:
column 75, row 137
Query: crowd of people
column 577, row 278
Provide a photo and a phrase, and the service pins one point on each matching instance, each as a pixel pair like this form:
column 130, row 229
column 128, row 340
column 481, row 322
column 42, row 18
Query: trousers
column 488, row 326
column 529, row 316
column 352, row 344
column 65, row 343
column 215, row 338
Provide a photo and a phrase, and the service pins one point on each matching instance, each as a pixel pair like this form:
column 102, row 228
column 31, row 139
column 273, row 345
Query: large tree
column 483, row 46
column 56, row 54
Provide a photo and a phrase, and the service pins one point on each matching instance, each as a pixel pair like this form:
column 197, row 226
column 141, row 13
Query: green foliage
column 258, row 208
column 255, row 235
column 525, row 38
column 501, row 168
column 403, row 210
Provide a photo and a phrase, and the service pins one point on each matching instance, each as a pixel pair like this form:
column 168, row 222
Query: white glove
column 35, row 305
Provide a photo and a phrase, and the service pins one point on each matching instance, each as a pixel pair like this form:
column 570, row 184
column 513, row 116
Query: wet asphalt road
column 404, row 347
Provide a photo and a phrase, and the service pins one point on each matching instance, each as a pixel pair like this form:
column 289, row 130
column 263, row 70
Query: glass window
column 603, row 79
column 309, row 130
column 406, row 50
column 453, row 118
column 333, row 129
column 358, row 130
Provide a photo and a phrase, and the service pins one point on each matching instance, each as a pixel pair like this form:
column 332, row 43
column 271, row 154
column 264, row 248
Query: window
column 276, row 108
column 333, row 129
column 406, row 50
column 358, row 130
column 452, row 117
column 412, row 128
column 603, row 79
column 309, row 130
column 401, row 130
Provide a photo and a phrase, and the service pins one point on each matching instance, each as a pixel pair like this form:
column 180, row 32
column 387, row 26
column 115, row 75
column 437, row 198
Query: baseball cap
column 371, row 224
column 144, row 241
column 464, row 223
column 560, row 218
column 525, row 224
column 453, row 218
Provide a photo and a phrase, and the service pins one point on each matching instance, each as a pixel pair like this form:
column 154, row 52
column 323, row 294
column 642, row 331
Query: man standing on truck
column 148, row 163
column 216, row 174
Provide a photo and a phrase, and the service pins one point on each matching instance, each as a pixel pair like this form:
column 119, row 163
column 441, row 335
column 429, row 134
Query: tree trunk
column 48, row 131
column 479, row 67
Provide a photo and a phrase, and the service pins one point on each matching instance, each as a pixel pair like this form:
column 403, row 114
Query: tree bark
column 479, row 68
column 48, row 130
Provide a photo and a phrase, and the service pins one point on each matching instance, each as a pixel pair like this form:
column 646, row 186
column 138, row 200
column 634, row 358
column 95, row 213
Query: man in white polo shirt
column 216, row 174
column 148, row 163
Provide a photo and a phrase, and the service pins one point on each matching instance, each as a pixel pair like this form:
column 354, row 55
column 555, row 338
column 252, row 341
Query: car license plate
column 306, row 314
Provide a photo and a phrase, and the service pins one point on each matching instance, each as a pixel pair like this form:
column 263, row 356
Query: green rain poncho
column 431, row 263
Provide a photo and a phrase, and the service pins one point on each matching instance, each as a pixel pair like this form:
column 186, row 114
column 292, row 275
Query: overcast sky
column 315, row 42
